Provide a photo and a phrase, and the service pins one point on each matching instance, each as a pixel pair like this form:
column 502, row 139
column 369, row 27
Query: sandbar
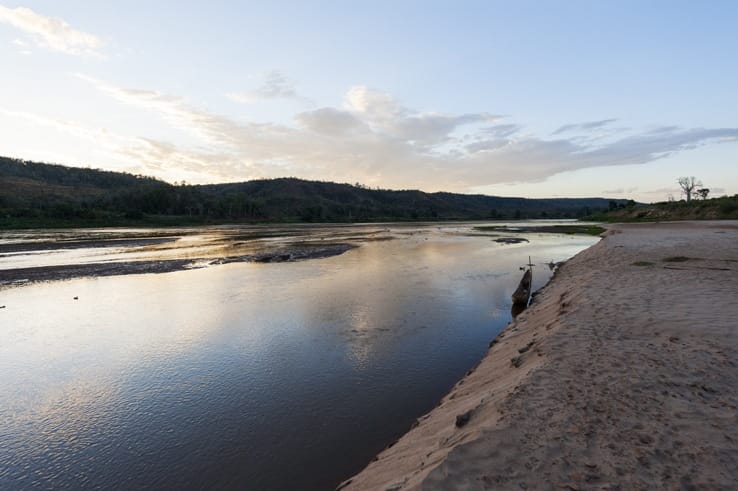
column 622, row 374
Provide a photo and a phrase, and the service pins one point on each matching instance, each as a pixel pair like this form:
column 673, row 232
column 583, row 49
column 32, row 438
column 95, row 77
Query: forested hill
column 36, row 193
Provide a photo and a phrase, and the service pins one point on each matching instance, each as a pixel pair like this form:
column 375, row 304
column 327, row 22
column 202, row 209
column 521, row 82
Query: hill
column 40, row 194
column 725, row 207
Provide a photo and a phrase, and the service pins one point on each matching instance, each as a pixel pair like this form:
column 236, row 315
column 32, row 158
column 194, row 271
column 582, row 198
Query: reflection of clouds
column 368, row 298
column 69, row 361
column 386, row 290
column 65, row 419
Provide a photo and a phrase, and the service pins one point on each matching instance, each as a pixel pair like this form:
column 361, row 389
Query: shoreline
column 621, row 373
column 30, row 275
column 224, row 248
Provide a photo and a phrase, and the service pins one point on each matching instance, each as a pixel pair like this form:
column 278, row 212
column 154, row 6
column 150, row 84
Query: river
column 231, row 358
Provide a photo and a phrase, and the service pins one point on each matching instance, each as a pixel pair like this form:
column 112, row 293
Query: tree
column 702, row 193
column 688, row 185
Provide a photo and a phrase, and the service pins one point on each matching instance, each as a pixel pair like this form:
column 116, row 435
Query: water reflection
column 516, row 309
column 262, row 376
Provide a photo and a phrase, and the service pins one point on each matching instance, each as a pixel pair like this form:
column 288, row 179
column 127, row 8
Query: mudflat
column 623, row 374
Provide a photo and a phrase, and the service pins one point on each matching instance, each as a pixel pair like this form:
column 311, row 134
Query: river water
column 239, row 374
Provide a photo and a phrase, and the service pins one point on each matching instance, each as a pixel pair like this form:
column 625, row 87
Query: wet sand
column 21, row 276
column 623, row 374
column 49, row 255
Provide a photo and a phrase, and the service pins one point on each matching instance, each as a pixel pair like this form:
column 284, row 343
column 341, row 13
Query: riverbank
column 621, row 375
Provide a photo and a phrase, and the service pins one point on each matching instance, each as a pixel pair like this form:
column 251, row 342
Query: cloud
column 386, row 116
column 588, row 126
column 165, row 159
column 376, row 140
column 502, row 130
column 620, row 191
column 330, row 121
column 51, row 33
column 70, row 127
column 22, row 46
column 377, row 106
column 276, row 86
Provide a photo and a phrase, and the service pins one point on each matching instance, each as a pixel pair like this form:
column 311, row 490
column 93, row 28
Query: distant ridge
column 33, row 193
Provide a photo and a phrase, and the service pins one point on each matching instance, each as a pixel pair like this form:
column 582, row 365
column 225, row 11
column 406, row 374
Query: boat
column 522, row 293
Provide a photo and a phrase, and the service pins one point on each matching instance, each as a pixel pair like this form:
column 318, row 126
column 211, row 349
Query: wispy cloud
column 374, row 139
column 502, row 130
column 22, row 46
column 50, row 32
column 276, row 85
column 70, row 127
column 587, row 126
column 620, row 191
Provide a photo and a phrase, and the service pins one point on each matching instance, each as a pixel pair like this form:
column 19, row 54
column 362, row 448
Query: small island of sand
column 623, row 374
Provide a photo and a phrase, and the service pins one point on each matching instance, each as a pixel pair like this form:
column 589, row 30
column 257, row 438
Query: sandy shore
column 622, row 375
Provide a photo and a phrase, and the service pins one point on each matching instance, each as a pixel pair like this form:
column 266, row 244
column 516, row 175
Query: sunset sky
column 537, row 99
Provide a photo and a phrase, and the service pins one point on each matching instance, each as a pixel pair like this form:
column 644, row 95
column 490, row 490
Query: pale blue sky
column 510, row 98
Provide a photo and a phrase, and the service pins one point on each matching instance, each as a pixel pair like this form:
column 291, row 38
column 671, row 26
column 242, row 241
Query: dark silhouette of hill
column 32, row 192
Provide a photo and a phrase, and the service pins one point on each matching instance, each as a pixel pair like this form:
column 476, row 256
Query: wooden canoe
column 522, row 294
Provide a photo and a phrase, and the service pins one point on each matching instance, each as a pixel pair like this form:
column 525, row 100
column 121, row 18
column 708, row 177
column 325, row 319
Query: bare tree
column 688, row 185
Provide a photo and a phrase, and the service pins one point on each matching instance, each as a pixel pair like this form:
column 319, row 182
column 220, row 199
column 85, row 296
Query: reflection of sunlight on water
column 109, row 330
column 360, row 347
column 497, row 312
column 206, row 243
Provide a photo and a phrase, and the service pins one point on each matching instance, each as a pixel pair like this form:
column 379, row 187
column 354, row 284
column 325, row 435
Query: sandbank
column 623, row 374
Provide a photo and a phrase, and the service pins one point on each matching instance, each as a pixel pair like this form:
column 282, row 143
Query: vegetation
column 46, row 195
column 577, row 229
column 689, row 186
column 555, row 229
column 722, row 208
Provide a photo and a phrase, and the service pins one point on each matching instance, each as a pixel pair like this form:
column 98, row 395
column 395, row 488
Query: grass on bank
column 723, row 208
column 551, row 229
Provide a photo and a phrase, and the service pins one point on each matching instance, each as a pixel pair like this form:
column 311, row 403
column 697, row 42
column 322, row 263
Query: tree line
column 39, row 190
